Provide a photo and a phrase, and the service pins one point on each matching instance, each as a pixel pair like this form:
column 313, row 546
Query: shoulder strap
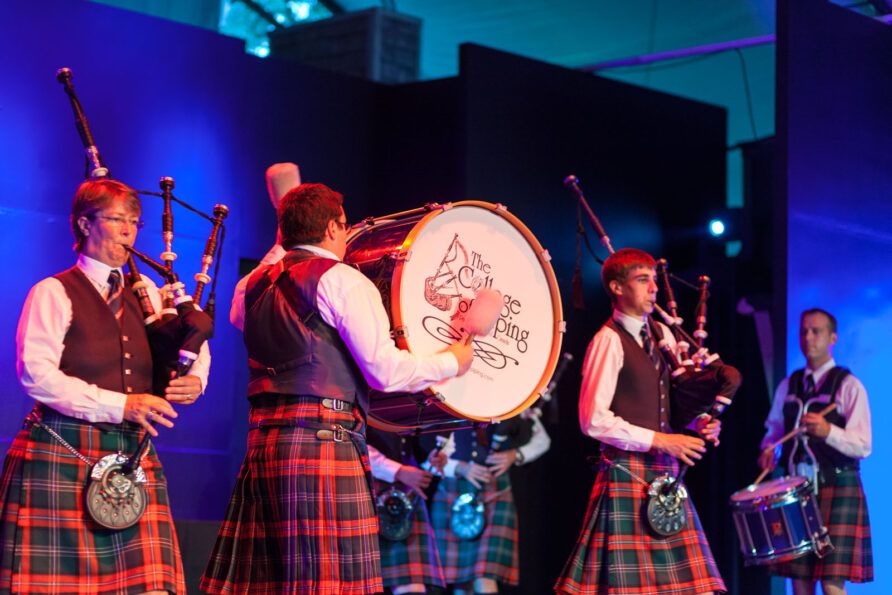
column 833, row 380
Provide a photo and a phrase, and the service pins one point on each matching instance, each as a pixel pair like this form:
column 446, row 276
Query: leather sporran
column 395, row 510
column 115, row 500
column 468, row 517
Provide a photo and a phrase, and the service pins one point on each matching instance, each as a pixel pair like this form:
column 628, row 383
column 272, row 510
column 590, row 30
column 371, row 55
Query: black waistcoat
column 826, row 455
column 291, row 349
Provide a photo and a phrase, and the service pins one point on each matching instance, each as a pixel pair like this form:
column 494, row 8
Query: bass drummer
column 318, row 338
column 831, row 448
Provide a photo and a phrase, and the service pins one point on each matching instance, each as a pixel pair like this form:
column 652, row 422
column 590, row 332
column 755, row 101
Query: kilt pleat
column 844, row 513
column 49, row 543
column 301, row 517
column 495, row 553
column 618, row 554
column 415, row 560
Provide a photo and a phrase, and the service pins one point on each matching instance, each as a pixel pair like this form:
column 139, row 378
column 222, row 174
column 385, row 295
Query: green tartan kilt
column 618, row 554
column 844, row 513
column 49, row 544
column 494, row 554
column 414, row 560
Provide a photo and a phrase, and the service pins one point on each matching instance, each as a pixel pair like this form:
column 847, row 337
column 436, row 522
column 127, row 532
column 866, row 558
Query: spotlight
column 716, row 228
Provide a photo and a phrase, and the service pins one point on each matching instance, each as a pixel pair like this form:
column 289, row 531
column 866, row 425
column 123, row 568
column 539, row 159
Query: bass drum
column 429, row 264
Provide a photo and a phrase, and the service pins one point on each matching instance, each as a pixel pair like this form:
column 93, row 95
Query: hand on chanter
column 184, row 390
column 499, row 462
column 478, row 475
column 146, row 409
column 687, row 449
column 414, row 478
column 708, row 428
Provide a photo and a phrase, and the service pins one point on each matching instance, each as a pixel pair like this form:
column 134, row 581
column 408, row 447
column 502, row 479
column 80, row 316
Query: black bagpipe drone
column 116, row 496
column 701, row 383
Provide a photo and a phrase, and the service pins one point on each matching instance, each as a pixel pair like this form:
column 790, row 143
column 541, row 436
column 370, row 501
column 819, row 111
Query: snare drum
column 779, row 520
column 428, row 265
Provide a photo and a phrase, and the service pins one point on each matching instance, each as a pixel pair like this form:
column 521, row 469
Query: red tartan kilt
column 301, row 518
column 618, row 554
column 415, row 560
column 49, row 543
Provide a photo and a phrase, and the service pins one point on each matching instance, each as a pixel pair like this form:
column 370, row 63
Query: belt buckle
column 334, row 404
column 340, row 434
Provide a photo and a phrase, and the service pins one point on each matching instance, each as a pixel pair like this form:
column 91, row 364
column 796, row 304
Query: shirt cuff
column 834, row 437
column 448, row 364
column 387, row 469
column 449, row 468
column 110, row 406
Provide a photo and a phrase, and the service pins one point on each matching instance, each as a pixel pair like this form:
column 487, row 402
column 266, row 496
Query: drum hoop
column 554, row 291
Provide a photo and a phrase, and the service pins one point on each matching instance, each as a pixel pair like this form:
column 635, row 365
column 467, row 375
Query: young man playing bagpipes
column 624, row 403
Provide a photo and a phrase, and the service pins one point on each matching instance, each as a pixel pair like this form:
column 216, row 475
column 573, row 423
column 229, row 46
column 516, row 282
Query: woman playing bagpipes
column 83, row 354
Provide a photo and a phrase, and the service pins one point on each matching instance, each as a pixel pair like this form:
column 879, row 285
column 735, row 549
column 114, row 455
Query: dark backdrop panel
column 640, row 156
column 835, row 134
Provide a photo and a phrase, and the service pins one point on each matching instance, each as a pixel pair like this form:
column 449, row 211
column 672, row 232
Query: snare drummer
column 301, row 518
column 624, row 403
column 838, row 442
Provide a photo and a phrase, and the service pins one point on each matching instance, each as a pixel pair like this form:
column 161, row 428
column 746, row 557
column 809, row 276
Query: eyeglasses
column 342, row 224
column 122, row 221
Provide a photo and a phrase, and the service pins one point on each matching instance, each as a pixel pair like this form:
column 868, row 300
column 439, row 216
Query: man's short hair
column 305, row 212
column 830, row 317
column 94, row 195
column 619, row 264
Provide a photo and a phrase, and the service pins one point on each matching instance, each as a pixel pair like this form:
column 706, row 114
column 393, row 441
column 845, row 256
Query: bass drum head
column 453, row 253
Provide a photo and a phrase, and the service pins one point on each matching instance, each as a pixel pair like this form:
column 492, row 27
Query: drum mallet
column 483, row 313
column 789, row 435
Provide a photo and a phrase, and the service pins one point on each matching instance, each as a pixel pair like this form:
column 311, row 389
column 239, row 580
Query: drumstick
column 483, row 313
column 791, row 434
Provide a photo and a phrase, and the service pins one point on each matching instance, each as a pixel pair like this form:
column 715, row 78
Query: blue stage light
column 716, row 227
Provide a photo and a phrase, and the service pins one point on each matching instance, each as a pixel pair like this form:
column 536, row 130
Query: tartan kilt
column 617, row 552
column 415, row 560
column 48, row 542
column 494, row 554
column 844, row 513
column 301, row 518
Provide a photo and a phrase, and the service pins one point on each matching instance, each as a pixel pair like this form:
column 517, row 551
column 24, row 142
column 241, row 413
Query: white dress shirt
column 383, row 468
column 855, row 439
column 237, row 310
column 45, row 320
column 537, row 446
column 348, row 301
column 600, row 373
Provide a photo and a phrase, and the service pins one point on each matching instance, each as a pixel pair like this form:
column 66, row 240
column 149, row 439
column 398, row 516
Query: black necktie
column 809, row 385
column 115, row 289
column 648, row 343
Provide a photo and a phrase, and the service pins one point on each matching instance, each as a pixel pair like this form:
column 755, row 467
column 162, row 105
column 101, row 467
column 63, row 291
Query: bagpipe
column 700, row 382
column 115, row 497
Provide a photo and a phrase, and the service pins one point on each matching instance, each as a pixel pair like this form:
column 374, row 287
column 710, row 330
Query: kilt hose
column 301, row 518
column 844, row 513
column 494, row 554
column 48, row 542
column 414, row 560
column 618, row 554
